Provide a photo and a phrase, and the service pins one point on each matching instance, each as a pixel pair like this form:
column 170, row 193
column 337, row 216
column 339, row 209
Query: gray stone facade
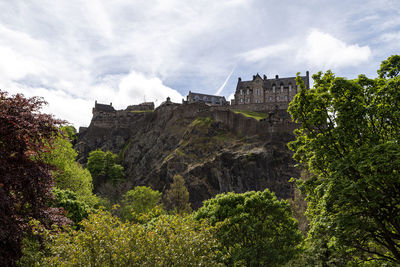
column 267, row 93
column 211, row 100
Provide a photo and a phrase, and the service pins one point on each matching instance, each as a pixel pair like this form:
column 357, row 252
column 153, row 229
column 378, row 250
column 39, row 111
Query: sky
column 126, row 52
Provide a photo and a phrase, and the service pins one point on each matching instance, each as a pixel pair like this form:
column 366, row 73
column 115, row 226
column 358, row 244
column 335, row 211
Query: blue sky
column 75, row 52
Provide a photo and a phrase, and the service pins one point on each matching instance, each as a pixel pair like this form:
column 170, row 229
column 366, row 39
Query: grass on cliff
column 252, row 114
column 141, row 111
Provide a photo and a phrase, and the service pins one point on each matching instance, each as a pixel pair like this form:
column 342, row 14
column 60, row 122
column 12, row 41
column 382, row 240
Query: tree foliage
column 104, row 168
column 141, row 199
column 70, row 175
column 25, row 179
column 176, row 198
column 106, row 241
column 74, row 209
column 349, row 140
column 254, row 228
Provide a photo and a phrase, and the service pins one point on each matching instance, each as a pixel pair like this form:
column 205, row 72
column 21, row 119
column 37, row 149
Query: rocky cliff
column 214, row 149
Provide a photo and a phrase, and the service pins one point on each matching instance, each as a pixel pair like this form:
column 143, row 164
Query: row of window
column 205, row 99
column 247, row 100
column 257, row 91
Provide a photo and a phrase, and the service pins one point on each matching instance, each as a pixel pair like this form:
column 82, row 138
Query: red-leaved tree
column 25, row 180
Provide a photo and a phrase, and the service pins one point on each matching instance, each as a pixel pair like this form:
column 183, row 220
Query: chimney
column 307, row 73
column 239, row 79
column 265, row 77
column 254, row 77
column 110, row 103
column 277, row 76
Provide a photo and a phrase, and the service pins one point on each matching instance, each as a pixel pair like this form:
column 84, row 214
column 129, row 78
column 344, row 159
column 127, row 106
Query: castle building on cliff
column 267, row 92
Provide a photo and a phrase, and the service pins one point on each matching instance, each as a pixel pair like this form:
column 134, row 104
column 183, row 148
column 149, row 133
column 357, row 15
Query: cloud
column 122, row 51
column 265, row 52
column 325, row 51
column 136, row 88
column 390, row 37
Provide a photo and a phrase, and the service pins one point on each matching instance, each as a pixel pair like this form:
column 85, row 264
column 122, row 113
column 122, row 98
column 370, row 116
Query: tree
column 141, row 199
column 348, row 139
column 254, row 228
column 74, row 209
column 25, row 179
column 70, row 175
column 177, row 197
column 104, row 168
column 106, row 241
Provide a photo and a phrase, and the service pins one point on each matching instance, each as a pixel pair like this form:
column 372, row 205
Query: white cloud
column 265, row 52
column 136, row 87
column 325, row 51
column 390, row 37
column 120, row 51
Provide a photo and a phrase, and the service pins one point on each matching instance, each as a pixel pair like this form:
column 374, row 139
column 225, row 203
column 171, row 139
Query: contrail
column 226, row 80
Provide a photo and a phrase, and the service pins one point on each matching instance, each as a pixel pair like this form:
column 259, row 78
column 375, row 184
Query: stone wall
column 262, row 107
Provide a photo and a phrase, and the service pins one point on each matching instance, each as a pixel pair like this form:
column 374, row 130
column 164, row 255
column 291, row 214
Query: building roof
column 201, row 95
column 267, row 83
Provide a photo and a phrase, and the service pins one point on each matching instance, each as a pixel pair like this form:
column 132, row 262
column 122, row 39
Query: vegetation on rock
column 252, row 114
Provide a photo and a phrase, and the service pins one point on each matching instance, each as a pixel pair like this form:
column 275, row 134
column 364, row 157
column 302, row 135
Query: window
column 270, row 98
column 281, row 88
column 248, row 91
column 273, row 88
column 241, row 100
column 241, row 92
column 290, row 87
column 257, row 92
column 204, row 98
column 277, row 98
column 196, row 98
column 248, row 100
column 286, row 98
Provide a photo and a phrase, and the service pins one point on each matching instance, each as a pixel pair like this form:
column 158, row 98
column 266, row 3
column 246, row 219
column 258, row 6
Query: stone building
column 211, row 100
column 141, row 107
column 98, row 108
column 273, row 92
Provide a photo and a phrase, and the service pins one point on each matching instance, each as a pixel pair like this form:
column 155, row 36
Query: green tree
column 70, row 175
column 75, row 210
column 104, row 168
column 254, row 228
column 106, row 241
column 141, row 199
column 348, row 140
column 176, row 198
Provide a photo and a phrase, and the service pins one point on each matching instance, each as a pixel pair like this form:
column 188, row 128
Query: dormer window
column 290, row 87
column 273, row 88
column 281, row 88
column 248, row 91
column 241, row 92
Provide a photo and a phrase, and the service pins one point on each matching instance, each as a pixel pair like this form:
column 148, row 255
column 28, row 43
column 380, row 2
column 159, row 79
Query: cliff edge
column 215, row 149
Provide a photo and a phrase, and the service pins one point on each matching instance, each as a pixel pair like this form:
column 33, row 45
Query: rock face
column 214, row 149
